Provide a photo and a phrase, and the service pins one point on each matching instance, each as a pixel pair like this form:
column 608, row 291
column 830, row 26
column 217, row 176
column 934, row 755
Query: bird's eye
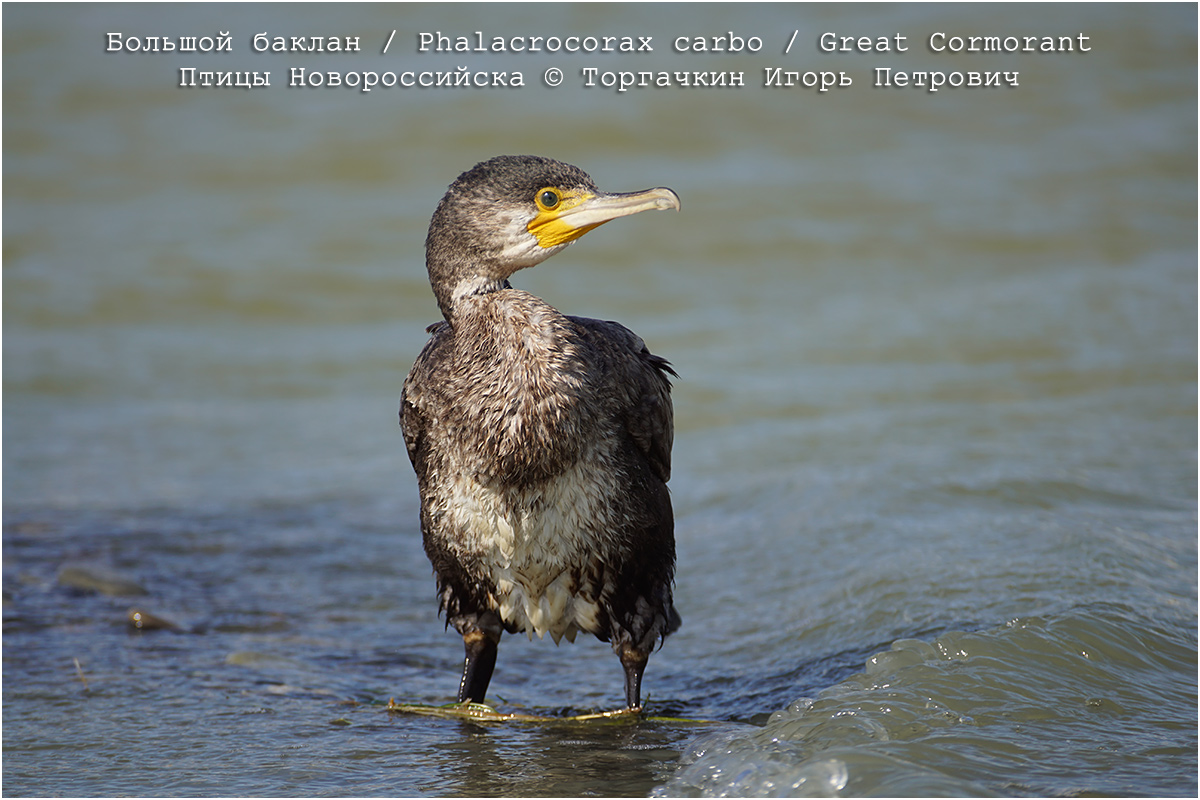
column 548, row 198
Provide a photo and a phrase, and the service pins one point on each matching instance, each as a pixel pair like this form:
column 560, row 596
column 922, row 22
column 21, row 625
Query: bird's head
column 512, row 212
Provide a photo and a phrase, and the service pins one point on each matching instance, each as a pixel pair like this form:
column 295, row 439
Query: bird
column 541, row 442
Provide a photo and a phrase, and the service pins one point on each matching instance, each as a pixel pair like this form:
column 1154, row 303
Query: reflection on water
column 935, row 463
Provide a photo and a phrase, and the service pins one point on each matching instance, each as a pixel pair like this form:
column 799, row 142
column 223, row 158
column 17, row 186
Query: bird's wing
column 638, row 380
column 412, row 417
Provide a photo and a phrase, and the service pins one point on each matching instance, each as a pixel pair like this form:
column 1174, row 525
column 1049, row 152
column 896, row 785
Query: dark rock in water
column 98, row 578
column 148, row 621
column 144, row 620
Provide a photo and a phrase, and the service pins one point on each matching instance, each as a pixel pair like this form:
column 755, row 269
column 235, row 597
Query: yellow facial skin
column 565, row 215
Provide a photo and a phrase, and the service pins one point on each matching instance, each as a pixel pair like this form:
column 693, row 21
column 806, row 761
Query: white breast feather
column 535, row 539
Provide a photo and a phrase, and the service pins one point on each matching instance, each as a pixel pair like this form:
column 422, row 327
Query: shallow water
column 935, row 463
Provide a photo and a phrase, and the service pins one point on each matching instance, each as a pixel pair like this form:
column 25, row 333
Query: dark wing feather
column 412, row 420
column 641, row 385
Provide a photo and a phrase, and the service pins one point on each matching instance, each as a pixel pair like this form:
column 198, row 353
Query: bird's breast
column 541, row 550
column 517, row 395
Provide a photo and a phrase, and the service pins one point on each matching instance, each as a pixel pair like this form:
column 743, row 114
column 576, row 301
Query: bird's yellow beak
column 576, row 213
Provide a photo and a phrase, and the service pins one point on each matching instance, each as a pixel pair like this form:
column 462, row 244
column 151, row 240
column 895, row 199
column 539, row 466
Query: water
column 935, row 464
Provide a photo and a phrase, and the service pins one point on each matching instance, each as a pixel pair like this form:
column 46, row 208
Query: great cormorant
column 541, row 442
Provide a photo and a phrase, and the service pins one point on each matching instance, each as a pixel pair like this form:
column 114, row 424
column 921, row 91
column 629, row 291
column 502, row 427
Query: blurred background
column 937, row 400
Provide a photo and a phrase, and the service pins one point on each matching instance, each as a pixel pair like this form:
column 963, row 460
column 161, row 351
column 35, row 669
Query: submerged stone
column 98, row 578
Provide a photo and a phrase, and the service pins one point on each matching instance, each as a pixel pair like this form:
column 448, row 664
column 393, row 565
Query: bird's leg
column 477, row 669
column 634, row 662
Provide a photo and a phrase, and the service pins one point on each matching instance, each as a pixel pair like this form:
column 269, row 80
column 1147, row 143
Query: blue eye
column 548, row 198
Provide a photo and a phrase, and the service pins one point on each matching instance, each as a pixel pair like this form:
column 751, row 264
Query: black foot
column 477, row 669
column 634, row 663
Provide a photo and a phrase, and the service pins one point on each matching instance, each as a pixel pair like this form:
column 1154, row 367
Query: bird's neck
column 451, row 299
column 455, row 281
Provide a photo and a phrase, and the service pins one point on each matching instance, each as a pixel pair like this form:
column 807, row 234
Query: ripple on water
column 1074, row 703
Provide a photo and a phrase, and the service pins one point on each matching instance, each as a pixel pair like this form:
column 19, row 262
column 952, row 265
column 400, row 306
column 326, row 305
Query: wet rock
column 258, row 660
column 89, row 577
column 144, row 620
column 30, row 528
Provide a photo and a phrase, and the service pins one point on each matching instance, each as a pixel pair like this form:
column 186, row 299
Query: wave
column 1096, row 700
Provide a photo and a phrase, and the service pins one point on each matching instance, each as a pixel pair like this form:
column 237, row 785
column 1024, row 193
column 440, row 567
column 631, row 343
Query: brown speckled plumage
column 541, row 442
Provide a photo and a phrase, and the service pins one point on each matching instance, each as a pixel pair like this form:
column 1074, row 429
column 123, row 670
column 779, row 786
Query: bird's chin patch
column 528, row 251
column 517, row 245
